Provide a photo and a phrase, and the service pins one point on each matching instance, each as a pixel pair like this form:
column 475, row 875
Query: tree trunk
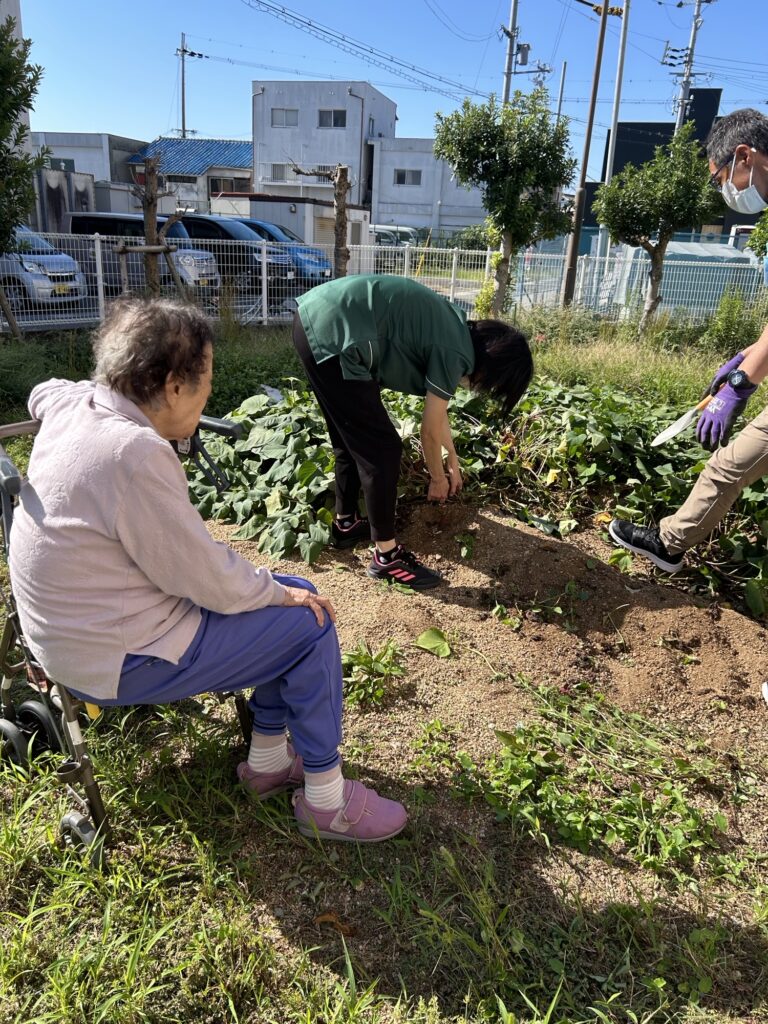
column 340, row 250
column 149, row 204
column 502, row 277
column 653, row 293
column 9, row 315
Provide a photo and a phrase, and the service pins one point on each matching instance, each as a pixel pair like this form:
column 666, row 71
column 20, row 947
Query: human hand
column 439, row 488
column 298, row 597
column 721, row 375
column 716, row 422
column 455, row 482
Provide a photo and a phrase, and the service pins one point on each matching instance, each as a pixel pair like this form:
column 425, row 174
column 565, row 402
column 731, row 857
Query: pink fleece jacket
column 108, row 556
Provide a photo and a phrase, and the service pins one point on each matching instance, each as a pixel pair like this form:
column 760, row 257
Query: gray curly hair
column 142, row 341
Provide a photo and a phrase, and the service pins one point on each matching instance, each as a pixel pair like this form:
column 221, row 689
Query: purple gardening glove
column 715, row 423
column 721, row 375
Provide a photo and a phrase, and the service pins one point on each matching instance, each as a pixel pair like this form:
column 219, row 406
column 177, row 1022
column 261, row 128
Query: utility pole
column 685, row 82
column 182, row 52
column 569, row 281
column 562, row 89
column 511, row 34
column 603, row 237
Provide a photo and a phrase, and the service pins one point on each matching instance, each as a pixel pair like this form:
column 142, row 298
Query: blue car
column 311, row 265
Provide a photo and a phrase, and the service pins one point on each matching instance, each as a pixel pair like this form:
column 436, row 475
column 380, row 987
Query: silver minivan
column 38, row 275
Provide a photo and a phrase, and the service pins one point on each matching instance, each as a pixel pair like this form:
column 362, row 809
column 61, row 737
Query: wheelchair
column 52, row 720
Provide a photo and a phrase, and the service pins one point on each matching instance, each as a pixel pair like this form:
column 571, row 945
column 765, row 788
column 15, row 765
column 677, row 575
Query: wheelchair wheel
column 36, row 722
column 78, row 833
column 13, row 743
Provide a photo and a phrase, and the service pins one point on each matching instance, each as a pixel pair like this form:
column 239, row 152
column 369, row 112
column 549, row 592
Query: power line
column 302, row 73
column 446, row 21
column 369, row 54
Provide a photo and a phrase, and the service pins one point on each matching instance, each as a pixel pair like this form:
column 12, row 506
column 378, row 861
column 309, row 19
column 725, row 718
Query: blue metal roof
column 196, row 156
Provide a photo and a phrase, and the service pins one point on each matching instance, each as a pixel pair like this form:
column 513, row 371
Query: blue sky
column 111, row 67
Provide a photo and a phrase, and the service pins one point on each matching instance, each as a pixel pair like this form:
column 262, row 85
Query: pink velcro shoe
column 266, row 784
column 364, row 817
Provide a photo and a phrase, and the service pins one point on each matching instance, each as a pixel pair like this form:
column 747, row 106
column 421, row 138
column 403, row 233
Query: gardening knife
column 680, row 425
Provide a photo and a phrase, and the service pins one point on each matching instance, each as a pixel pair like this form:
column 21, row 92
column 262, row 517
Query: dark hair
column 503, row 362
column 745, row 127
column 142, row 341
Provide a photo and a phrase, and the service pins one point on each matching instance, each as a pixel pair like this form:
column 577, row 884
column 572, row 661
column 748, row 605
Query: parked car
column 238, row 250
column 36, row 274
column 312, row 265
column 401, row 235
column 197, row 267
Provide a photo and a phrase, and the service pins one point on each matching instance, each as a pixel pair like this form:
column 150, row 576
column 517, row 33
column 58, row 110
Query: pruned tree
column 149, row 194
column 339, row 177
column 645, row 206
column 518, row 155
column 20, row 81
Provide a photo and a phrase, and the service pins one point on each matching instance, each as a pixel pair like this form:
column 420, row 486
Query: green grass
column 205, row 911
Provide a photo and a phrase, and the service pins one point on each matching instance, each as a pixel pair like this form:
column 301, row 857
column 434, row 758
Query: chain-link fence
column 63, row 281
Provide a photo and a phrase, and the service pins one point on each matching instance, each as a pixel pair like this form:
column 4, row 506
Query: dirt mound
column 570, row 618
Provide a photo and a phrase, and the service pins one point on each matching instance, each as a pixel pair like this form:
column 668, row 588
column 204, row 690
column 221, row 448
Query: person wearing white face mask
column 737, row 149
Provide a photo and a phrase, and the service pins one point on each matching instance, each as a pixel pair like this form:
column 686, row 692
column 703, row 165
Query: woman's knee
column 295, row 581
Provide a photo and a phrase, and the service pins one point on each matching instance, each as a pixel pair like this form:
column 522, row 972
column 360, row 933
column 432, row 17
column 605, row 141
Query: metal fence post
column 580, row 268
column 407, row 260
column 264, row 288
column 99, row 275
column 488, row 254
column 454, row 263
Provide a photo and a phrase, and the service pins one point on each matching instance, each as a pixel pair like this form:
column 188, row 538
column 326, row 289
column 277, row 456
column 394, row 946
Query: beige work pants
column 727, row 473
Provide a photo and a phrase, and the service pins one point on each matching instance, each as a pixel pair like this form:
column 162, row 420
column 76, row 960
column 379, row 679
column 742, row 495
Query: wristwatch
column 738, row 379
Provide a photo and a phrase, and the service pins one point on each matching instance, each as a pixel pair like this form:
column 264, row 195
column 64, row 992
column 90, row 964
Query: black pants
column 366, row 445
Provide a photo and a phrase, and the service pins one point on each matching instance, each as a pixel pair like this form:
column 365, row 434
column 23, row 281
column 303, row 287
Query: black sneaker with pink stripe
column 401, row 566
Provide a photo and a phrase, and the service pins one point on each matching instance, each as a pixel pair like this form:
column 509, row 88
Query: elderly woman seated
column 125, row 598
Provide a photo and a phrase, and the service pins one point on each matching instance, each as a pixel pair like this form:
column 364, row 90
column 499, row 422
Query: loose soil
column 646, row 643
column 640, row 639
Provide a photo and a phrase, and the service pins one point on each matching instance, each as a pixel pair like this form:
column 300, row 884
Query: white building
column 316, row 125
column 411, row 188
column 101, row 154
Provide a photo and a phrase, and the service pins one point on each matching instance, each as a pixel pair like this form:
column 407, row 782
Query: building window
column 371, row 126
column 60, row 163
column 216, row 185
column 181, row 179
column 405, row 176
column 278, row 172
column 332, row 118
column 285, row 117
column 328, row 168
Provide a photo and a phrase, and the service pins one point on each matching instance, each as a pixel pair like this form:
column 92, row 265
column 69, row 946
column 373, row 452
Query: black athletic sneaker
column 645, row 540
column 403, row 567
column 347, row 536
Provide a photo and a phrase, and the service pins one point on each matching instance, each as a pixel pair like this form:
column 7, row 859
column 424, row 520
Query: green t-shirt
column 389, row 329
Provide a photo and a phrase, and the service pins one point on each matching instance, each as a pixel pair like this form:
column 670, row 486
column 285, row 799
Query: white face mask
column 743, row 200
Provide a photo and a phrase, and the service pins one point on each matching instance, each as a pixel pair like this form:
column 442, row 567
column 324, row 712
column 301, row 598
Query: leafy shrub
column 281, row 476
column 758, row 238
column 733, row 324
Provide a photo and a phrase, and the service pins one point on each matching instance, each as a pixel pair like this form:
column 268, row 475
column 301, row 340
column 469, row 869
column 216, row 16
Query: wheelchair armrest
column 10, row 478
column 224, row 427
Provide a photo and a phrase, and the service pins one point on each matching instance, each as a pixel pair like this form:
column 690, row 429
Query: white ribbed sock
column 324, row 790
column 268, row 754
